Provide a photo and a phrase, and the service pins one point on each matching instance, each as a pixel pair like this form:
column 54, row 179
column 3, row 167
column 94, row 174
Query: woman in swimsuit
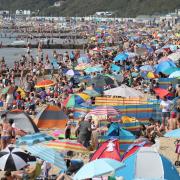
column 6, row 134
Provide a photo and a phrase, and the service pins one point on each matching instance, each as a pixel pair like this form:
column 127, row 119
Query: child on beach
column 177, row 143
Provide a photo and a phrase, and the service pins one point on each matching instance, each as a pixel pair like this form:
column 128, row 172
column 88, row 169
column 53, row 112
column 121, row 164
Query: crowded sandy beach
column 105, row 107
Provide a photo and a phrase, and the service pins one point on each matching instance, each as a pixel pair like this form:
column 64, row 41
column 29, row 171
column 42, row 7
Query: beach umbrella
column 83, row 60
column 147, row 163
column 12, row 159
column 70, row 72
column 5, row 90
column 44, row 83
column 175, row 56
column 151, row 75
column 134, row 74
column 91, row 93
column 162, row 92
column 173, row 134
column 164, row 59
column 123, row 91
column 98, row 168
column 121, row 57
column 131, row 54
column 31, row 139
column 49, row 155
column 105, row 113
column 75, row 99
column 82, row 66
column 103, row 80
column 171, row 70
column 146, row 68
column 163, row 66
column 66, row 145
column 22, row 92
column 115, row 68
column 175, row 74
column 93, row 69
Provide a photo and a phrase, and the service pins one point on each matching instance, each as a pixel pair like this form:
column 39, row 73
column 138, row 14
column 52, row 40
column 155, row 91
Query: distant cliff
column 123, row 8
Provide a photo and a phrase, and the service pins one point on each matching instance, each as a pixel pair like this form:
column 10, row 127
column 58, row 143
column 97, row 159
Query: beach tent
column 108, row 149
column 133, row 148
column 125, row 137
column 51, row 117
column 147, row 163
column 22, row 121
column 123, row 91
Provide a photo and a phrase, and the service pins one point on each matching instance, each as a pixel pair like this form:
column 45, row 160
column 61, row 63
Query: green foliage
column 123, row 8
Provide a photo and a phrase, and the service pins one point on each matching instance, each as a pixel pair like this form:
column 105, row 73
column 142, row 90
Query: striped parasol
column 66, row 145
column 105, row 113
column 12, row 159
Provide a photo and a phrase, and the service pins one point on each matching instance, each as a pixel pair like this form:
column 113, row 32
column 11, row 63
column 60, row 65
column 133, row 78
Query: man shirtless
column 173, row 122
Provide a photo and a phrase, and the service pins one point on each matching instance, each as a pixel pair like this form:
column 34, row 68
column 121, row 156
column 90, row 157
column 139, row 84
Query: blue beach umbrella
column 98, row 168
column 171, row 70
column 163, row 66
column 147, row 68
column 49, row 155
column 173, row 134
column 31, row 139
column 91, row 93
column 115, row 68
column 121, row 57
column 175, row 74
column 148, row 164
column 93, row 69
column 83, row 60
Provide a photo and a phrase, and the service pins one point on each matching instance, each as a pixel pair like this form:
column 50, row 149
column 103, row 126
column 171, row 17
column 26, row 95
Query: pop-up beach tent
column 125, row 137
column 148, row 164
column 22, row 121
column 51, row 117
column 108, row 149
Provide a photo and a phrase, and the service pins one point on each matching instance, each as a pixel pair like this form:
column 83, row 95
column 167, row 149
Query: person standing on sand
column 10, row 96
column 6, row 133
column 85, row 132
column 165, row 107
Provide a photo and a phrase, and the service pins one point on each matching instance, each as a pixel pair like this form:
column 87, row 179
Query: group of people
column 18, row 83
